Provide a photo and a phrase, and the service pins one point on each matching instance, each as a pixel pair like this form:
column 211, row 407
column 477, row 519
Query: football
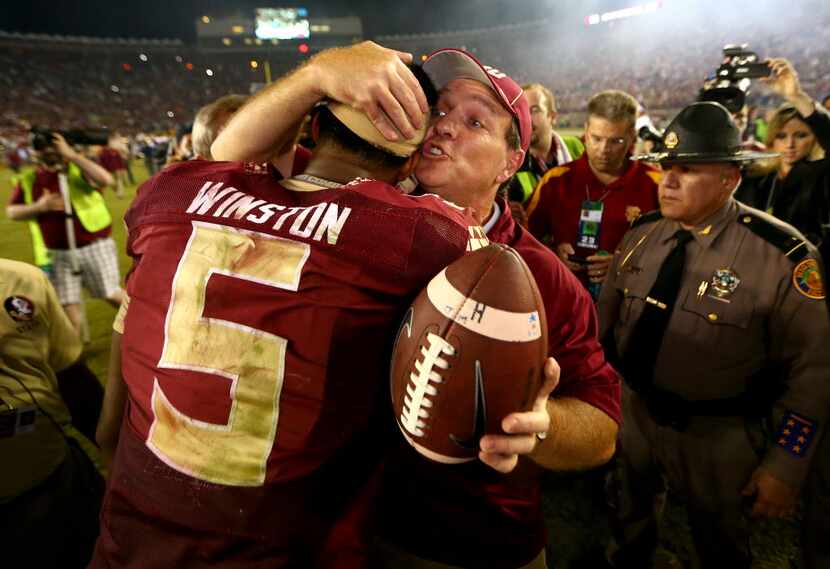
column 470, row 350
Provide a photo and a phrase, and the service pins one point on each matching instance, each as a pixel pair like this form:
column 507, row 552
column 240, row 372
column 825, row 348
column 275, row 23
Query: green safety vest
column 88, row 204
column 527, row 181
column 42, row 256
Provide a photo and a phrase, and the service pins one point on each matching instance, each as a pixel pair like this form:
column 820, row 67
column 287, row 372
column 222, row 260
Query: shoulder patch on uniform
column 796, row 433
column 793, row 247
column 649, row 217
column 655, row 175
column 807, row 279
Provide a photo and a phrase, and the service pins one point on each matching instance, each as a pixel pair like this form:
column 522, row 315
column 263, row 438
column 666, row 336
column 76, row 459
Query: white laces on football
column 419, row 388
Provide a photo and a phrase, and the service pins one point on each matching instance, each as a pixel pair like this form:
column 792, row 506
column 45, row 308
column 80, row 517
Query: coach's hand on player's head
column 501, row 452
column 375, row 80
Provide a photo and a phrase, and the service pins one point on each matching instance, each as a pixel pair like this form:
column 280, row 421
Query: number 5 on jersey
column 234, row 453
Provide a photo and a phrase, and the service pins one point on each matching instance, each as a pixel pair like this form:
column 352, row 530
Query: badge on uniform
column 807, row 279
column 723, row 284
column 590, row 220
column 796, row 433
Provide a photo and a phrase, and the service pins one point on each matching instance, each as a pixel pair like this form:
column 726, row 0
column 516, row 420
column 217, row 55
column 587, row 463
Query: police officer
column 715, row 312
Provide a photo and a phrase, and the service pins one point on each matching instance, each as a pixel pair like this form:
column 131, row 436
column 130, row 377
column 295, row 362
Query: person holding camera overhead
column 794, row 187
column 38, row 196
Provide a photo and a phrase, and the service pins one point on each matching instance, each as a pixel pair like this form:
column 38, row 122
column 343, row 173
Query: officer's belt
column 669, row 409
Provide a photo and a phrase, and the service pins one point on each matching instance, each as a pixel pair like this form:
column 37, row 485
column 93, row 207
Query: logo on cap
column 671, row 140
column 494, row 72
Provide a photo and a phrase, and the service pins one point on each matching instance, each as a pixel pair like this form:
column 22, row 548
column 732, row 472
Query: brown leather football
column 470, row 351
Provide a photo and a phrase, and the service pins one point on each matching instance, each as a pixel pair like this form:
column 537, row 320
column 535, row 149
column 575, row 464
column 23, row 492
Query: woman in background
column 796, row 186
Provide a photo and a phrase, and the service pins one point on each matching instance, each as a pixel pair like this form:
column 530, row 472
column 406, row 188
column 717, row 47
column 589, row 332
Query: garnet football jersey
column 255, row 353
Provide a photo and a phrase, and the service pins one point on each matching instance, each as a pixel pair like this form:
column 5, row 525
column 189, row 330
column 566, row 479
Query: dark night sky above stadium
column 175, row 18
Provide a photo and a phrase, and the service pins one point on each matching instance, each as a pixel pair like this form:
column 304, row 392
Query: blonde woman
column 794, row 187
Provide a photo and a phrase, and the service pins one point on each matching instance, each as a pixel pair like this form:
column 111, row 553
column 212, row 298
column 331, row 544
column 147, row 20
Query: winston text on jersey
column 311, row 222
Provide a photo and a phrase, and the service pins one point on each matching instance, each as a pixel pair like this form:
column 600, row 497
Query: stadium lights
column 179, row 59
column 142, row 57
column 423, row 57
column 114, row 88
column 237, row 29
column 248, row 41
column 258, row 41
column 254, row 64
column 227, row 41
column 209, row 72
column 636, row 10
column 171, row 114
column 206, row 19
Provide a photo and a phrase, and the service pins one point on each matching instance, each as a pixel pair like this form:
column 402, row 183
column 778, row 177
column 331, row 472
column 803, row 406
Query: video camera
column 730, row 83
column 647, row 132
column 43, row 137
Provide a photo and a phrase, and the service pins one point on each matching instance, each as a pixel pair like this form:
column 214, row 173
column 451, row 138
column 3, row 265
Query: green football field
column 573, row 502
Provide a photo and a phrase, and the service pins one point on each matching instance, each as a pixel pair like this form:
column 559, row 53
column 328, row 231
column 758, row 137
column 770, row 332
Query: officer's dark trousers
column 709, row 463
column 815, row 529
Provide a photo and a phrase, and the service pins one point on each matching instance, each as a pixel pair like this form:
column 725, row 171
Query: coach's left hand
column 501, row 452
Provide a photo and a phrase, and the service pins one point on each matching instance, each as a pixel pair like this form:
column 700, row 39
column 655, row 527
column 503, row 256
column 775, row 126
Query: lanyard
column 588, row 194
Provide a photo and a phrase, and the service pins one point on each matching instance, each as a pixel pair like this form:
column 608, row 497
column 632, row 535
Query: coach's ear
column 513, row 161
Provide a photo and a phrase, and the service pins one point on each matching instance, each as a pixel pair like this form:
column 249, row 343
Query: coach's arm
column 576, row 434
column 366, row 76
column 580, row 436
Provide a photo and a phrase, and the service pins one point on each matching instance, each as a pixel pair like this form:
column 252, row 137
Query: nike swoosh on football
column 479, row 415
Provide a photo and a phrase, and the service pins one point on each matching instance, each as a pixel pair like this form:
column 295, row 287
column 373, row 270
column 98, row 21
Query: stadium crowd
column 632, row 240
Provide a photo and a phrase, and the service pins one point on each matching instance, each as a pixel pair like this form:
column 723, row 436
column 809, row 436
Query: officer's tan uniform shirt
column 36, row 340
column 743, row 306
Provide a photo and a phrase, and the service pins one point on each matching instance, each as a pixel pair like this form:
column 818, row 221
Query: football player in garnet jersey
column 470, row 516
column 254, row 348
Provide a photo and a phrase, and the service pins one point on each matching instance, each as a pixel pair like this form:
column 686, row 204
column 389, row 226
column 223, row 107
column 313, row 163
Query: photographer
column 38, row 196
column 795, row 187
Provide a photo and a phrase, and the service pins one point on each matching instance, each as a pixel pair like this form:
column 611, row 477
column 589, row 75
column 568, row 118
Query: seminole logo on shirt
column 20, row 308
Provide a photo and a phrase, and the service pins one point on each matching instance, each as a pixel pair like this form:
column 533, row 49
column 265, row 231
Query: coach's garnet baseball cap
column 445, row 65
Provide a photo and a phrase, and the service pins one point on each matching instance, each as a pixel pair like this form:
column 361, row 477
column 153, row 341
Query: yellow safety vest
column 42, row 256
